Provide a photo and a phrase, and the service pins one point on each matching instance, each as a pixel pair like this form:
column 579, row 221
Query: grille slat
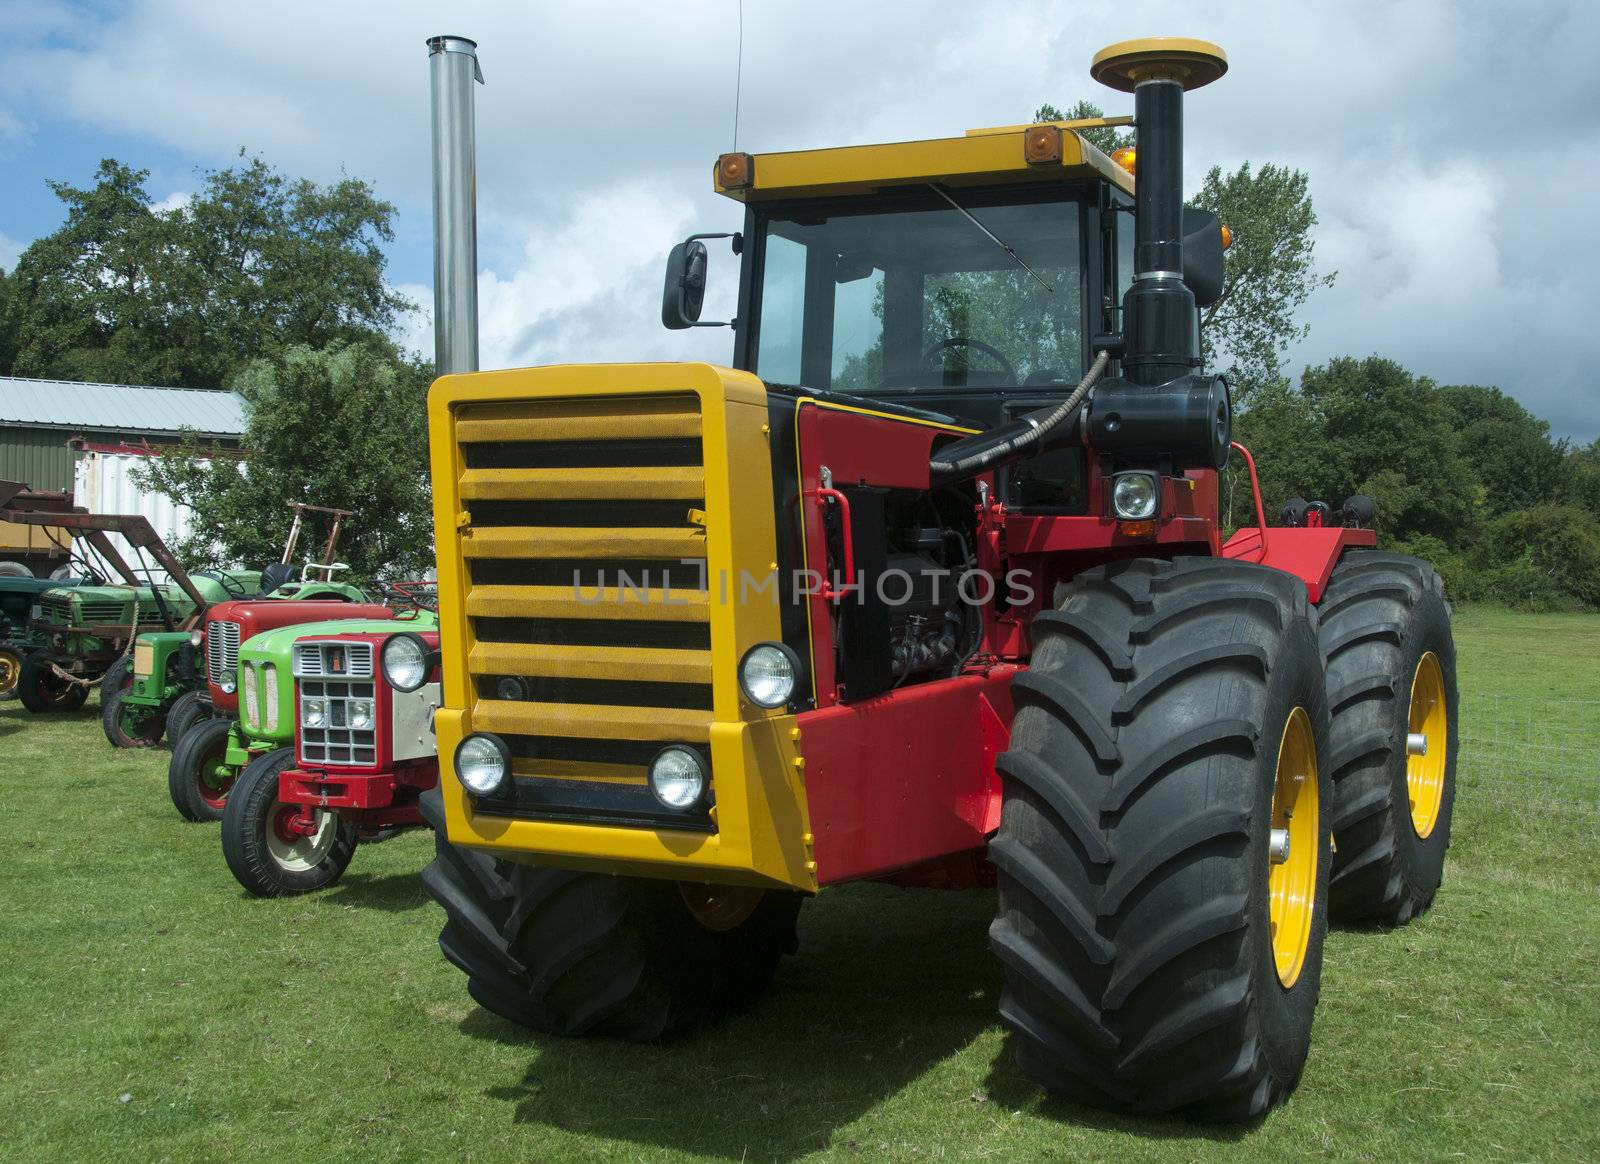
column 594, row 721
column 679, row 482
column 528, row 541
column 570, row 491
column 315, row 660
column 639, row 664
column 645, row 604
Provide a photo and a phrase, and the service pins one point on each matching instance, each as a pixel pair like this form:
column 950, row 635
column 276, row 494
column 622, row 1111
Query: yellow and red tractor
column 928, row 587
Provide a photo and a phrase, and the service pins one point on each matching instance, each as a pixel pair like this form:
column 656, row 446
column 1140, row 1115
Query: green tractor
column 81, row 635
column 213, row 752
column 163, row 685
column 20, row 588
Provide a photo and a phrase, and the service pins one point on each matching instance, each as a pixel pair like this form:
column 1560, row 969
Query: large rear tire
column 42, row 691
column 1385, row 629
column 264, row 855
column 198, row 775
column 586, row 953
column 1157, row 955
column 188, row 709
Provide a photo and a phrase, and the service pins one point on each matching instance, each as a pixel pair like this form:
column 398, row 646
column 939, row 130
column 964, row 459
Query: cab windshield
column 946, row 288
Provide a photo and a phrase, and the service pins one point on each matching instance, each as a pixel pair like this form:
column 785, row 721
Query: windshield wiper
column 1015, row 258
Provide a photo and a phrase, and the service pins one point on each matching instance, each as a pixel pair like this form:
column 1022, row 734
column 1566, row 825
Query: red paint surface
column 1309, row 554
column 907, row 777
column 264, row 614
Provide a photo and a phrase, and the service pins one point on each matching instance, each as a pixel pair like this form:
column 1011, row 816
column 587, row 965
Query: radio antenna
column 738, row 79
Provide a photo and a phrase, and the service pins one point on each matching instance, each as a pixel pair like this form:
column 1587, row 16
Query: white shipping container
column 102, row 482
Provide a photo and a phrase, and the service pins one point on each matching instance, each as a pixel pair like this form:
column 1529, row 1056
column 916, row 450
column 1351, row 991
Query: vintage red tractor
column 364, row 753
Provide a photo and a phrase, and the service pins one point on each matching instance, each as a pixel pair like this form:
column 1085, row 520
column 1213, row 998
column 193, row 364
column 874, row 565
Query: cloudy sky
column 1453, row 148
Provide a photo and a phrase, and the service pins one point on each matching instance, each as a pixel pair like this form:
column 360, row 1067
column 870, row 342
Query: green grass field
column 152, row 1010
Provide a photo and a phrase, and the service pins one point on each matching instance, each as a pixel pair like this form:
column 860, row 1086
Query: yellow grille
column 584, row 543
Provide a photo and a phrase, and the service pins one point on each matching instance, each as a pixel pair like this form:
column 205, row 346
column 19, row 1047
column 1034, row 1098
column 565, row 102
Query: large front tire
column 574, row 953
column 1157, row 954
column 267, row 857
column 189, row 709
column 127, row 727
column 1391, row 674
column 198, row 775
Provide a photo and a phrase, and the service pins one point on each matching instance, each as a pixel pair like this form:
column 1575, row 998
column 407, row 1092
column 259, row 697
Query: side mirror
column 685, row 290
column 1202, row 255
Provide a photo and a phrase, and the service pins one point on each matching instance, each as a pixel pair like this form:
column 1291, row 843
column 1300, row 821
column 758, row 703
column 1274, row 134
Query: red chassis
column 922, row 755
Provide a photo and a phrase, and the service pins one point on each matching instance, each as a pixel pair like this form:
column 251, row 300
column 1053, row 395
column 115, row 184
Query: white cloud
column 1451, row 145
column 177, row 200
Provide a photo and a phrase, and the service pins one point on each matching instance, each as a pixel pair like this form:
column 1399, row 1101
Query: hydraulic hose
column 969, row 457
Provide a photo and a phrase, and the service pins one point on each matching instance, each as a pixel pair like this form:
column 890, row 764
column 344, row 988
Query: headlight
column 361, row 713
column 405, row 662
column 677, row 777
column 1134, row 495
column 767, row 674
column 249, row 702
column 228, row 685
column 482, row 763
column 195, row 638
column 313, row 712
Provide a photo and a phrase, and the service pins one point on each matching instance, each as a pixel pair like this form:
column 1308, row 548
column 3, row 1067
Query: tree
column 1268, row 274
column 1362, row 426
column 1270, row 269
column 254, row 262
column 1582, row 489
column 342, row 426
column 1509, row 449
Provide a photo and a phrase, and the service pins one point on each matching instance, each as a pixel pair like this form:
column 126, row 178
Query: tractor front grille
column 55, row 608
column 222, row 650
column 337, row 674
column 104, row 612
column 586, row 591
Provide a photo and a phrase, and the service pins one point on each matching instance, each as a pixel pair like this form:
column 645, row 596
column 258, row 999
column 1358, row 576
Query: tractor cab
column 965, row 276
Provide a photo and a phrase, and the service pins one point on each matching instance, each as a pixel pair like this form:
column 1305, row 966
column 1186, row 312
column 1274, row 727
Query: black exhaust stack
column 1163, row 408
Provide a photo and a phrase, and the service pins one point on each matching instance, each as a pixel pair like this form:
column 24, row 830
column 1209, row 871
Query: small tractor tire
column 198, row 779
column 10, row 671
column 1163, row 851
column 122, row 729
column 1391, row 661
column 263, row 856
column 42, row 691
column 188, row 709
column 572, row 953
column 117, row 677
column 14, row 570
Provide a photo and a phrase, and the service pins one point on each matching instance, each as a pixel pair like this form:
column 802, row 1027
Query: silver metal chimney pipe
column 453, row 65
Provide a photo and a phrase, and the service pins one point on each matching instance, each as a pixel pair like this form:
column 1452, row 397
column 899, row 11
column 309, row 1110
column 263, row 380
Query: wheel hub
column 720, row 907
column 1292, row 846
column 299, row 839
column 1427, row 740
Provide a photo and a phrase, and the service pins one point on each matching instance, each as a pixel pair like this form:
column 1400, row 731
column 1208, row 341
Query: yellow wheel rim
column 10, row 670
column 1294, row 848
column 1430, row 720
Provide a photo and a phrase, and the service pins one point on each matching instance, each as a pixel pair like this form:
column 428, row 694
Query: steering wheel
column 230, row 586
column 961, row 341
